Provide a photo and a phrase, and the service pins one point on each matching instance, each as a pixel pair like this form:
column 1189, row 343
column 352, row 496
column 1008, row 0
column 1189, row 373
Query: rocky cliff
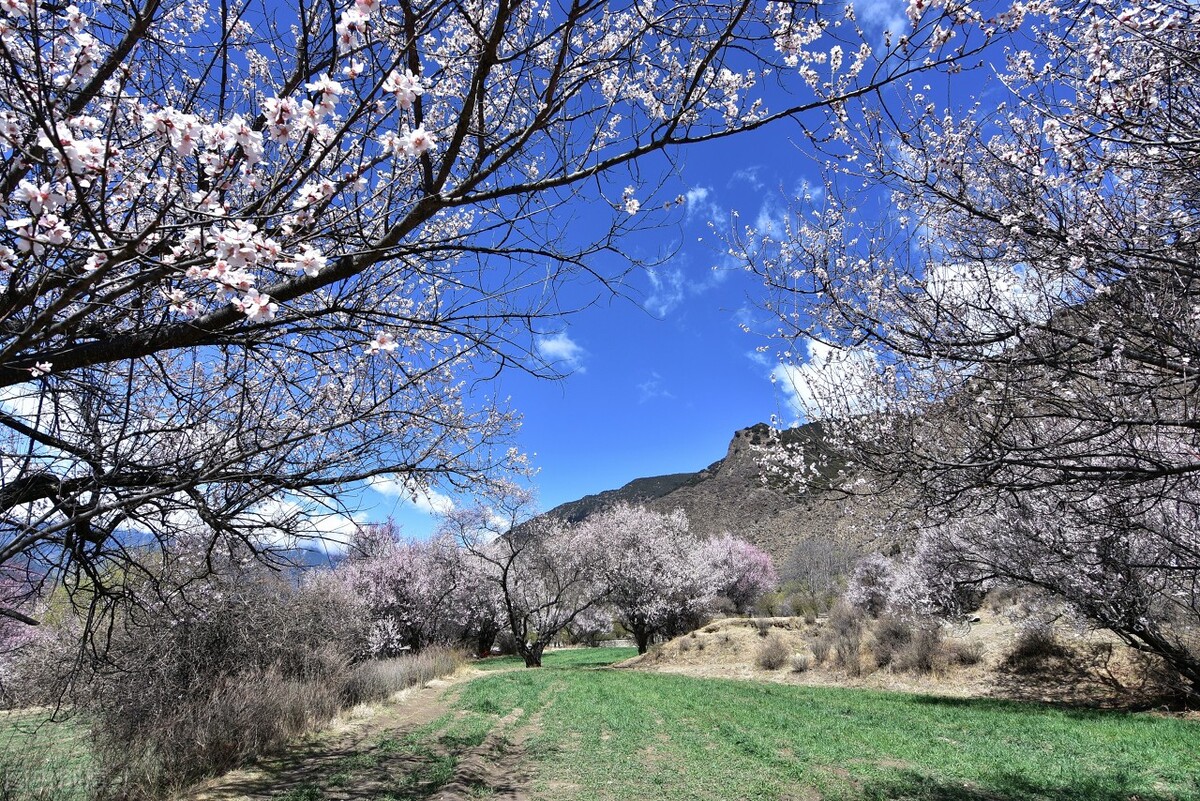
column 734, row 494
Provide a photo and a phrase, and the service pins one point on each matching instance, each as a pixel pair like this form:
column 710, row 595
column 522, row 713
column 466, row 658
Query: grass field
column 586, row 732
column 617, row 734
column 563, row 658
column 43, row 759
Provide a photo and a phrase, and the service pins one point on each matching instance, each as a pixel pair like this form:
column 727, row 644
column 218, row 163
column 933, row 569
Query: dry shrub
column 200, row 684
column 846, row 619
column 810, row 616
column 923, row 652
column 772, row 653
column 965, row 652
column 822, row 645
column 380, row 679
column 763, row 625
column 1004, row 597
column 890, row 635
column 685, row 645
column 145, row 746
column 1034, row 647
column 801, row 663
column 846, row 623
column 847, row 651
column 700, row 644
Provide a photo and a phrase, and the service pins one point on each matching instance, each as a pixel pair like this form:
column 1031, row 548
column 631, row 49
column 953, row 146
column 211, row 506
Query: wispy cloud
column 883, row 15
column 701, row 205
column 652, row 388
column 667, row 290
column 830, row 381
column 425, row 499
column 562, row 352
column 750, row 176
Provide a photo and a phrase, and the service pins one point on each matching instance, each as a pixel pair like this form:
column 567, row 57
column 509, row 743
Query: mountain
column 736, row 494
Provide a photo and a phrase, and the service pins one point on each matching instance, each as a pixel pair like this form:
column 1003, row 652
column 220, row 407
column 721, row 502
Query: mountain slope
column 734, row 494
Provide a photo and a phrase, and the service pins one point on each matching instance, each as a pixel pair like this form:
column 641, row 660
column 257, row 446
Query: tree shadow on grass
column 1079, row 710
column 390, row 769
column 911, row 786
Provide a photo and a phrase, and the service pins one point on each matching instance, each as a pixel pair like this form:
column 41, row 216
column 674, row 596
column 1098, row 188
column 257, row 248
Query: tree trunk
column 485, row 639
column 532, row 654
column 642, row 637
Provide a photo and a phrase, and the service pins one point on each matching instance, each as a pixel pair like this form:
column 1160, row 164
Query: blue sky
column 659, row 381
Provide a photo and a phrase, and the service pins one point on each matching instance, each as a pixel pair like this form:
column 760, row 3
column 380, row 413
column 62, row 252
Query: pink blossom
column 405, row 86
column 420, row 141
column 258, row 308
column 383, row 342
column 309, row 261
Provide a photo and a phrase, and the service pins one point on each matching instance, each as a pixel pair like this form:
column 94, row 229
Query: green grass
column 563, row 658
column 627, row 735
column 43, row 759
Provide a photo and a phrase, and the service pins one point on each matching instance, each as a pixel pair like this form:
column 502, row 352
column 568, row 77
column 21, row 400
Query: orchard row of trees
column 627, row 565
column 257, row 253
column 1012, row 349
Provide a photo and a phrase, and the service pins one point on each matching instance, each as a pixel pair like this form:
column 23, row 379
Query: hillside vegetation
column 736, row 494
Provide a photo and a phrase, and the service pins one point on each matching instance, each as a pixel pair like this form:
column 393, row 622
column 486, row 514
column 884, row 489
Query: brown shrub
column 846, row 620
column 1034, row 647
column 923, row 652
column 380, row 679
column 822, row 645
column 890, row 635
column 801, row 663
column 847, row 651
column 772, row 653
column 965, row 652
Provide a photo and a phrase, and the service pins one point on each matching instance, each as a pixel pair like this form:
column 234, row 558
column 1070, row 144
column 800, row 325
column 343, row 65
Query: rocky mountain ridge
column 736, row 495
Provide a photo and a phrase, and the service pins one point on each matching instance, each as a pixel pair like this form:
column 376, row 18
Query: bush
column 891, row 634
column 965, row 652
column 772, row 653
column 1034, row 647
column 822, row 645
column 801, row 663
column 207, row 672
column 847, row 651
column 380, row 679
column 923, row 653
column 845, row 619
column 846, row 625
column 763, row 625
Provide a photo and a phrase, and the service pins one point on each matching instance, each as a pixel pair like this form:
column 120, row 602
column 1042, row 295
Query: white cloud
column 562, row 352
column 652, row 388
column 830, row 382
column 294, row 523
column 667, row 287
column 771, row 219
column 749, row 176
column 884, row 15
column 426, row 499
column 699, row 205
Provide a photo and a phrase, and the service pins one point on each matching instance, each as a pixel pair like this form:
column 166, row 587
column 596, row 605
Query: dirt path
column 371, row 754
